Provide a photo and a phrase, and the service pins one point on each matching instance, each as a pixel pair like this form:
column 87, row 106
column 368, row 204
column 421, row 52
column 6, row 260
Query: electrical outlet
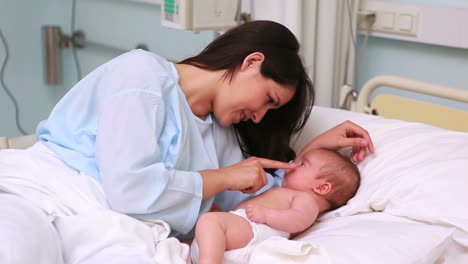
column 390, row 18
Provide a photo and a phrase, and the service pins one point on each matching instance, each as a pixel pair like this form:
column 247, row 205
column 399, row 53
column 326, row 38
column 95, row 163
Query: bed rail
column 362, row 105
column 397, row 107
column 20, row 142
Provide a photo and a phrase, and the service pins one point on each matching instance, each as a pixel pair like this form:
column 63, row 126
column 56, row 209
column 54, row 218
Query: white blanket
column 108, row 237
column 281, row 250
column 92, row 233
column 89, row 231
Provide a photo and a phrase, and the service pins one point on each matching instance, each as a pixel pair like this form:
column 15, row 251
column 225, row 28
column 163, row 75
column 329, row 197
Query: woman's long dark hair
column 271, row 137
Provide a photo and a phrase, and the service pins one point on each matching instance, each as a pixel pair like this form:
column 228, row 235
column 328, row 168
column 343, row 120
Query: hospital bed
column 20, row 142
column 411, row 206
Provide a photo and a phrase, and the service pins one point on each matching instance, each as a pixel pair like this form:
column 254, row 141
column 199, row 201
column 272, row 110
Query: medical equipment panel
column 199, row 15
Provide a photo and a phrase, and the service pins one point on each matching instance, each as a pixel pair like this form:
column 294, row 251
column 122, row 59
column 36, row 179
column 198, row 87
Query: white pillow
column 381, row 238
column 418, row 171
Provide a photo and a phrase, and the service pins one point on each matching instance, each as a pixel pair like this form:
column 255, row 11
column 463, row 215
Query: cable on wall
column 8, row 92
column 368, row 20
column 352, row 87
column 350, row 20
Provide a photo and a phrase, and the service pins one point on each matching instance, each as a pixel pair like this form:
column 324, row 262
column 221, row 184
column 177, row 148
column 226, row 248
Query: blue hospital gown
column 128, row 125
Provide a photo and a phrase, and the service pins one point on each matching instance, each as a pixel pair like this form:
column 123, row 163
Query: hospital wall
column 114, row 26
column 20, row 22
column 421, row 61
column 111, row 26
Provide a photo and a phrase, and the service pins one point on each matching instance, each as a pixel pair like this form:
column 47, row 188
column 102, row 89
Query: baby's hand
column 256, row 213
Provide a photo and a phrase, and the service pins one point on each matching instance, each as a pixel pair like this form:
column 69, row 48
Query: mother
column 157, row 140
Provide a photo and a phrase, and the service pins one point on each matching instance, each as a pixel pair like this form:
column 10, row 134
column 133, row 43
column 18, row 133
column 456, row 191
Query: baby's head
column 327, row 174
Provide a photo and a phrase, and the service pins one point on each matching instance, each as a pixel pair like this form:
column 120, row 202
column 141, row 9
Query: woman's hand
column 246, row 176
column 346, row 134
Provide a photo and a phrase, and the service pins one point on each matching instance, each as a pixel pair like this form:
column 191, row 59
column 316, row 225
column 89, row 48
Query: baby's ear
column 323, row 188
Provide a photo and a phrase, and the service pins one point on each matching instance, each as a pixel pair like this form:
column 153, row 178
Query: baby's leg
column 217, row 232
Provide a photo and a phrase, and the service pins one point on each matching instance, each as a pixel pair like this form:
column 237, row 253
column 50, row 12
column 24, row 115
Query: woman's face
column 249, row 95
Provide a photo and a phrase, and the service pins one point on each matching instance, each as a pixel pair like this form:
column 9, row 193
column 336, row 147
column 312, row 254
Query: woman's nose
column 258, row 115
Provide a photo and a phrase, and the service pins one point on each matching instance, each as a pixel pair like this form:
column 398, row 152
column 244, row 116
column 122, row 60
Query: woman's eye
column 302, row 164
column 270, row 100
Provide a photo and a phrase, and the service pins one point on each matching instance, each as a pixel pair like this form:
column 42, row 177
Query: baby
column 324, row 181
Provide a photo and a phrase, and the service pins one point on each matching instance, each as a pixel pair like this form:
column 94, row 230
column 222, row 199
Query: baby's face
column 305, row 177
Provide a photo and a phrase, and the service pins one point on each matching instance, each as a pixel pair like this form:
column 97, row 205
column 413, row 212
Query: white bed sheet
column 412, row 204
column 380, row 238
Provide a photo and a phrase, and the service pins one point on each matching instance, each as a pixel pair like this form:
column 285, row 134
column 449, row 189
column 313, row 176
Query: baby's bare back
column 276, row 198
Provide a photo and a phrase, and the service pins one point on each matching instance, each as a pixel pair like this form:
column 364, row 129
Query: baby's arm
column 302, row 213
